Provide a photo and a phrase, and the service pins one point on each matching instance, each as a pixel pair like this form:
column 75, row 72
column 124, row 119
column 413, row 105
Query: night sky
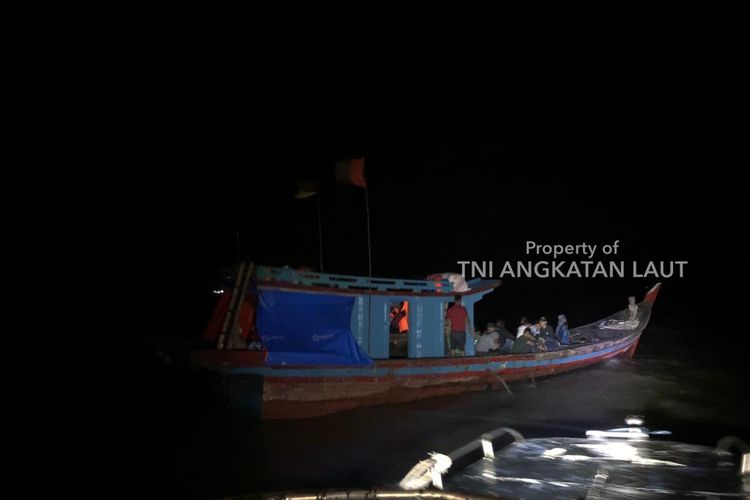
column 481, row 128
column 479, row 132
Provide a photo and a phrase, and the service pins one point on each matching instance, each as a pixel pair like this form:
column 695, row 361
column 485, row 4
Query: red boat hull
column 285, row 392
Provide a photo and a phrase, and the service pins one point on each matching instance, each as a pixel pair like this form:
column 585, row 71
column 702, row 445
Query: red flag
column 351, row 172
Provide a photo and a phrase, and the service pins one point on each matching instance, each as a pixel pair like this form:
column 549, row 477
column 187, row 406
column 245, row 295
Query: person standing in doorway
column 459, row 318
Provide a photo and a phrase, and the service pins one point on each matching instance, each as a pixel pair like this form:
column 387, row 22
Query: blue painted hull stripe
column 505, row 365
column 419, row 370
column 310, row 372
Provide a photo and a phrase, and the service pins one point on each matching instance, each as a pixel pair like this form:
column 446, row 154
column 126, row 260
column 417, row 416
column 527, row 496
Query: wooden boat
column 350, row 368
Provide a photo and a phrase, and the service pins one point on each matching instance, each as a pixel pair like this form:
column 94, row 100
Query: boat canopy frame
column 370, row 319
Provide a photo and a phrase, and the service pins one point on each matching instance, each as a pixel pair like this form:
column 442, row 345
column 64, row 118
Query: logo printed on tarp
column 267, row 338
column 316, row 338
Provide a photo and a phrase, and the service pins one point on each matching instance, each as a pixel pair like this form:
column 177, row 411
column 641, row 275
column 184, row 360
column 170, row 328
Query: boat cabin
column 306, row 317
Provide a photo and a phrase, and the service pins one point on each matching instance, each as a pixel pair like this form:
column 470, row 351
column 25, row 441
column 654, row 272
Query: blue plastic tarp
column 308, row 329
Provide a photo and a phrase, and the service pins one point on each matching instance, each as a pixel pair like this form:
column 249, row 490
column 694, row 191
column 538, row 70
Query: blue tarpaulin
column 308, row 329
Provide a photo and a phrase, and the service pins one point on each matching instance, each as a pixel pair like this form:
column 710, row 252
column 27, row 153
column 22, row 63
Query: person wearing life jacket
column 403, row 322
column 399, row 318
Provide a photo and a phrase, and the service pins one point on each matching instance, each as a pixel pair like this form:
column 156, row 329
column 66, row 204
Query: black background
column 480, row 130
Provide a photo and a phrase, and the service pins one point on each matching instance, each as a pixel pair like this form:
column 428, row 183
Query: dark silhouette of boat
column 327, row 340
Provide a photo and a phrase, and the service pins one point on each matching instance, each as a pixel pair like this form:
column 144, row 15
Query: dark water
column 695, row 389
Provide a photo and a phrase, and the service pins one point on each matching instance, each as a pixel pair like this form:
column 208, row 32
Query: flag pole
column 369, row 241
column 369, row 257
column 320, row 233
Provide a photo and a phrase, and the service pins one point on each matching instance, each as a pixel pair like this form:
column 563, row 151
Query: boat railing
column 432, row 470
column 349, row 282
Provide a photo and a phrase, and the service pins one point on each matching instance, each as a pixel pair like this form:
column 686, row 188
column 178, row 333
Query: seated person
column 548, row 335
column 541, row 344
column 504, row 333
column 525, row 343
column 489, row 341
column 552, row 344
column 506, row 337
column 506, row 345
column 544, row 328
column 525, row 323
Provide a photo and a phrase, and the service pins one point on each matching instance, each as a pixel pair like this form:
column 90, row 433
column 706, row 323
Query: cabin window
column 399, row 329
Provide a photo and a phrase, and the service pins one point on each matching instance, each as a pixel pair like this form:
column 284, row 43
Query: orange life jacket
column 403, row 323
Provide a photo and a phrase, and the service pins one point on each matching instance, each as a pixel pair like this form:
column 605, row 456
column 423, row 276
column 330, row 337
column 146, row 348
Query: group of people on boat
column 540, row 337
column 529, row 337
column 497, row 339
